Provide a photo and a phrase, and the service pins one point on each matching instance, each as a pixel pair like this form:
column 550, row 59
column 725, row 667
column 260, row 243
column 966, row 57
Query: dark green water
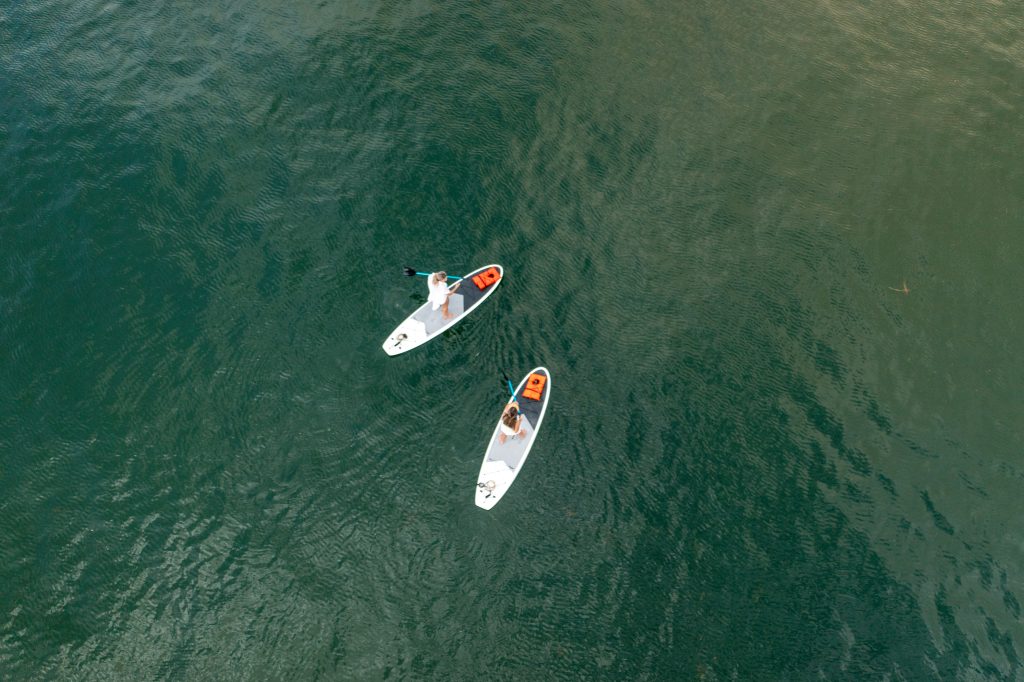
column 761, row 462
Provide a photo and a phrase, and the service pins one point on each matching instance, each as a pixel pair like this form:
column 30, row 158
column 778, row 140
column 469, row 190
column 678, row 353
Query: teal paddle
column 509, row 382
column 409, row 272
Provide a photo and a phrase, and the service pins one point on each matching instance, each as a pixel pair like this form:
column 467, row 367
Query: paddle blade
column 409, row 272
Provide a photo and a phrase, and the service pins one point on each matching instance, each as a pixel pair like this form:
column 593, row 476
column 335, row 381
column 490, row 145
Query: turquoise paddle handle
column 428, row 274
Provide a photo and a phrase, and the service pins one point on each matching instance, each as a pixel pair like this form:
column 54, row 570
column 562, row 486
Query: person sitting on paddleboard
column 439, row 293
column 511, row 423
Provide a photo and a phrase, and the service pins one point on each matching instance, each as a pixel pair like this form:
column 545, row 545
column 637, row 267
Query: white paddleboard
column 425, row 324
column 503, row 461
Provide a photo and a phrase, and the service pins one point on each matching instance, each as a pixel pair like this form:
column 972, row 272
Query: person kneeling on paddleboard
column 511, row 423
column 439, row 293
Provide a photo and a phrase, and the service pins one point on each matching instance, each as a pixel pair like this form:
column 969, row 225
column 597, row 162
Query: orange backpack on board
column 486, row 278
column 535, row 386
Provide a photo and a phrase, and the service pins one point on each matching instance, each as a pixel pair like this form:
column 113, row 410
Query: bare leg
column 444, row 310
column 501, row 439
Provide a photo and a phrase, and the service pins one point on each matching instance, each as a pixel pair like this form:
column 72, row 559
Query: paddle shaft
column 428, row 274
column 509, row 382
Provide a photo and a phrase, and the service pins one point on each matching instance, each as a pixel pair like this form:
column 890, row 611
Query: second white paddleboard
column 504, row 460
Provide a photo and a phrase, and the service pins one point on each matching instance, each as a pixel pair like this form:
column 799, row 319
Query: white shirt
column 438, row 291
column 510, row 430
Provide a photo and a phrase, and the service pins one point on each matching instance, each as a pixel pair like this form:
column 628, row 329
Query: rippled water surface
column 771, row 253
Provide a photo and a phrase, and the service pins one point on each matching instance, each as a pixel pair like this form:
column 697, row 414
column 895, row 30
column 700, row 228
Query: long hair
column 509, row 417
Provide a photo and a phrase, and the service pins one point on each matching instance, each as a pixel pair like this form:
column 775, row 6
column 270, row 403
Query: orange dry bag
column 486, row 278
column 535, row 386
